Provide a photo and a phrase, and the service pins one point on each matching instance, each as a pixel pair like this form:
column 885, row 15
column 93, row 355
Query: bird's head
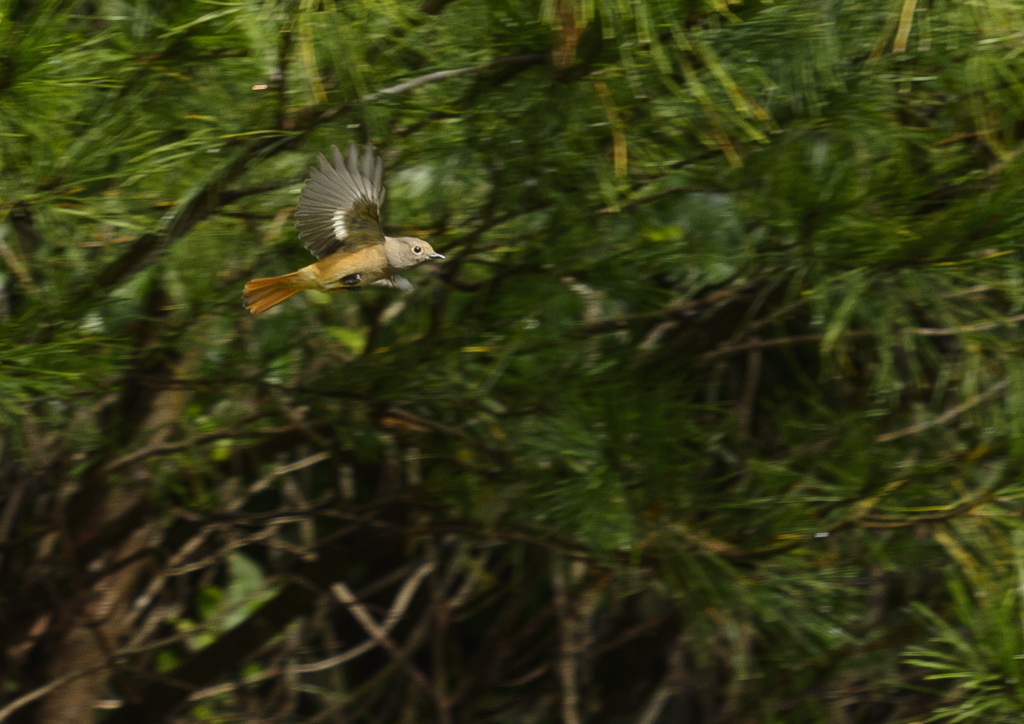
column 405, row 252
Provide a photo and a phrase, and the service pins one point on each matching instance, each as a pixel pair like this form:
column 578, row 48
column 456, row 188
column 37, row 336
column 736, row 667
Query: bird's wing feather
column 339, row 208
column 395, row 282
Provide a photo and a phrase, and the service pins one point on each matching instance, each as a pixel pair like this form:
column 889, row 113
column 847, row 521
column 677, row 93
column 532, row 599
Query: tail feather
column 260, row 295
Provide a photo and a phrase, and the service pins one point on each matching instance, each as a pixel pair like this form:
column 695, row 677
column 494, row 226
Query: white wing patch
column 340, row 204
column 339, row 224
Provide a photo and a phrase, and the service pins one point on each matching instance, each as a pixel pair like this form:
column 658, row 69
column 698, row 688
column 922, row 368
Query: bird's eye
column 417, row 250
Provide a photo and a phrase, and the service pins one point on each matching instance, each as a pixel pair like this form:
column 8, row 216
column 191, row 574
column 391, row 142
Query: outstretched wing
column 339, row 207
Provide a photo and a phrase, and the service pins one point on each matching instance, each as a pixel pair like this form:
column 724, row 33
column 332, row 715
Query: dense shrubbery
column 714, row 412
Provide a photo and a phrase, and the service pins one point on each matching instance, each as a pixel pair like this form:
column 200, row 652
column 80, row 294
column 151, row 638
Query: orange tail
column 262, row 294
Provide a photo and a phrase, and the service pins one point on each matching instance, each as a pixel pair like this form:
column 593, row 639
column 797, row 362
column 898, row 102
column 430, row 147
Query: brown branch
column 568, row 654
column 745, row 405
column 652, row 197
column 16, row 266
column 614, row 323
column 163, row 448
column 641, row 629
column 682, row 308
column 808, row 338
column 947, row 416
column 980, row 327
column 671, row 684
column 380, row 636
column 398, row 608
column 436, row 76
column 367, row 544
column 759, row 344
column 53, row 685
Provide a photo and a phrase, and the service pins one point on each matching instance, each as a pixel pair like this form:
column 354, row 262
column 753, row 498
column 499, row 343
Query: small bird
column 338, row 219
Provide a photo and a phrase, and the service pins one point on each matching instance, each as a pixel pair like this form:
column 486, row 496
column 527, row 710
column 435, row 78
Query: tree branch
column 197, row 203
column 414, row 83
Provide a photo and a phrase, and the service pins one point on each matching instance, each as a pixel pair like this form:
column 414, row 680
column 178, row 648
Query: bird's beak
column 435, row 255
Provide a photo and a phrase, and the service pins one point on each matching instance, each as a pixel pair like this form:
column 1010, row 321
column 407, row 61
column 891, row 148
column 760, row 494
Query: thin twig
column 213, row 558
column 53, row 685
column 653, row 197
column 947, row 416
column 164, row 448
column 266, row 480
column 11, row 507
column 671, row 685
column 17, row 266
column 745, row 405
column 769, row 343
column 413, row 83
column 953, row 331
column 394, row 615
column 567, row 659
column 378, row 634
column 808, row 338
column 191, row 545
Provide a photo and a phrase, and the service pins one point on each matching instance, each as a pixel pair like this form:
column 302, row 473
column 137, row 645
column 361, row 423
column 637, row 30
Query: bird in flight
column 338, row 219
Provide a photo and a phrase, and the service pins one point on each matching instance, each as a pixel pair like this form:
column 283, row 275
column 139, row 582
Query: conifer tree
column 712, row 414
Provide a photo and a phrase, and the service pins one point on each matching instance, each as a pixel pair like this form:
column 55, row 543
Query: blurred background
column 714, row 413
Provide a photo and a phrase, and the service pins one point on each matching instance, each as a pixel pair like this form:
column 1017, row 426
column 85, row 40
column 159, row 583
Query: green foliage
column 222, row 606
column 53, row 365
column 975, row 660
column 731, row 313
